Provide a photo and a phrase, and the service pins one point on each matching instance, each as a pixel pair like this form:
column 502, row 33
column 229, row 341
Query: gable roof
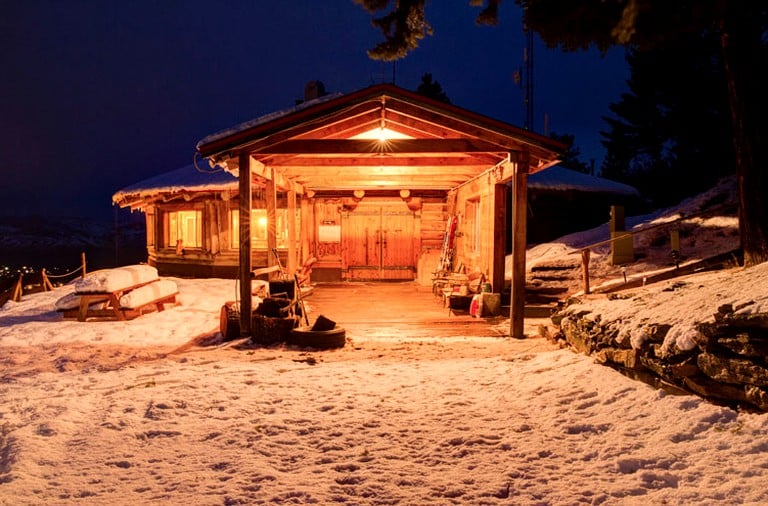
column 330, row 143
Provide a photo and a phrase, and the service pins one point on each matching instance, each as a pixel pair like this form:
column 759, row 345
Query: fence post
column 18, row 289
column 45, row 282
column 674, row 242
column 585, row 268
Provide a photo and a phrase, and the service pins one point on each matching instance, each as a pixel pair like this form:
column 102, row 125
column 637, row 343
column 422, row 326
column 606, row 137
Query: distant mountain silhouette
column 56, row 244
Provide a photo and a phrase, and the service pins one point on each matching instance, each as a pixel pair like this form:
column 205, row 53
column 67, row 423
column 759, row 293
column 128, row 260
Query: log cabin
column 378, row 184
column 561, row 201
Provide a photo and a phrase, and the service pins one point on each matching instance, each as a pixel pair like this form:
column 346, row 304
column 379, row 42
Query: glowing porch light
column 381, row 134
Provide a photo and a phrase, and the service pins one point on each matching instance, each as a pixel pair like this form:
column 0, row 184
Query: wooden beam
column 379, row 172
column 362, row 112
column 441, row 124
column 245, row 207
column 268, row 173
column 414, row 183
column 498, row 260
column 306, row 231
column 363, row 146
column 270, row 196
column 437, row 160
column 519, row 210
column 291, row 264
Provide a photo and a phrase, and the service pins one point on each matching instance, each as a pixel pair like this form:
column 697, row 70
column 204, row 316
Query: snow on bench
column 113, row 280
column 120, row 293
column 156, row 292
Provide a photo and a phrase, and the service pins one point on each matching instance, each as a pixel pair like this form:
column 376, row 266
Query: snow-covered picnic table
column 121, row 293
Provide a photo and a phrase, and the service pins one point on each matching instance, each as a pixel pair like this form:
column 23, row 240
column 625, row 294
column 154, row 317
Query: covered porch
column 374, row 310
column 375, row 176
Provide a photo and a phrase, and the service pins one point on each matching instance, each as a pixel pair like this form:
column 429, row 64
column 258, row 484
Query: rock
column 685, row 369
column 709, row 389
column 658, row 331
column 729, row 363
column 757, row 396
column 732, row 370
column 624, row 358
column 745, row 345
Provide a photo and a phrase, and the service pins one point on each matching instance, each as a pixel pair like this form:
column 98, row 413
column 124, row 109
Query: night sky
column 97, row 95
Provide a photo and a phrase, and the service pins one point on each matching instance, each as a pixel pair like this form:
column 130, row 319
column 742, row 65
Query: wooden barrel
column 229, row 321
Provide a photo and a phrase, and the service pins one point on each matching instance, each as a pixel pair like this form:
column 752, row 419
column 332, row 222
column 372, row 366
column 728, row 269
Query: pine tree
column 432, row 89
column 570, row 159
column 739, row 26
column 668, row 136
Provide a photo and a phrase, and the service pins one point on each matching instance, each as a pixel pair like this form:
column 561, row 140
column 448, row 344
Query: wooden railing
column 675, row 241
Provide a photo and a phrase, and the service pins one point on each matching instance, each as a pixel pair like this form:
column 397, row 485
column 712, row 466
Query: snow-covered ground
column 157, row 409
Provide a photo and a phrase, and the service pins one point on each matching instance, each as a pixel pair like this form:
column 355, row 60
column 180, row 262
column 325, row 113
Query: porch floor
column 371, row 310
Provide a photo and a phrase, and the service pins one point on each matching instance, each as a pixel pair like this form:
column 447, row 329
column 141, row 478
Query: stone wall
column 728, row 365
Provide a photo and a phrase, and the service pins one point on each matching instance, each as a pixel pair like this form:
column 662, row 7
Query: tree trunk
column 742, row 61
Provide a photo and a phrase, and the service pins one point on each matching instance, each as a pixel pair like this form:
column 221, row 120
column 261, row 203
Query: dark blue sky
column 97, row 95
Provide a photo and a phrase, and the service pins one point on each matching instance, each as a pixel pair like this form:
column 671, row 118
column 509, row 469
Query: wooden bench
column 118, row 294
column 118, row 305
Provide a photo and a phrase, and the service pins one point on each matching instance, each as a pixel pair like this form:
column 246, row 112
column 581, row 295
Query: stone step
column 546, row 290
column 551, row 277
column 559, row 266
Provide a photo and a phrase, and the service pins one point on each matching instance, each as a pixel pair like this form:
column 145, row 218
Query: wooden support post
column 291, row 263
column 306, row 231
column 585, row 268
column 270, row 195
column 519, row 217
column 82, row 262
column 498, row 263
column 246, row 205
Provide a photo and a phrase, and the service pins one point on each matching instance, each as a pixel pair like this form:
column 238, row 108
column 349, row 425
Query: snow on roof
column 560, row 178
column 266, row 118
column 184, row 179
column 189, row 178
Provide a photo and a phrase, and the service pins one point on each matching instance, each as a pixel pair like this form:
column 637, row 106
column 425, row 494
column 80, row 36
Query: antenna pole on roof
column 528, row 62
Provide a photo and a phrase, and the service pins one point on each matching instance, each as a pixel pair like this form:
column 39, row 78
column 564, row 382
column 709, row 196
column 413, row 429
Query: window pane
column 234, row 229
column 185, row 226
column 259, row 227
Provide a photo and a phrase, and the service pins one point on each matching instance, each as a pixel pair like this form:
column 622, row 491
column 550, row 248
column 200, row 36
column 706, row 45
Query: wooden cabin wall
column 219, row 258
column 475, row 255
column 434, row 217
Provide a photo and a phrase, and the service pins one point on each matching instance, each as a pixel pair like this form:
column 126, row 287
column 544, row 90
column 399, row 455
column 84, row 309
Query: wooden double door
column 379, row 242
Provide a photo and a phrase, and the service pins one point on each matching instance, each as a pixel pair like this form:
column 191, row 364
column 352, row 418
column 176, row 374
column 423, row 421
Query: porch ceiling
column 333, row 145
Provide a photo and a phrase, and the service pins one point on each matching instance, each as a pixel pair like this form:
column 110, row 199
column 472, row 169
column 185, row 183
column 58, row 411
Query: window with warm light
column 187, row 227
column 259, row 224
